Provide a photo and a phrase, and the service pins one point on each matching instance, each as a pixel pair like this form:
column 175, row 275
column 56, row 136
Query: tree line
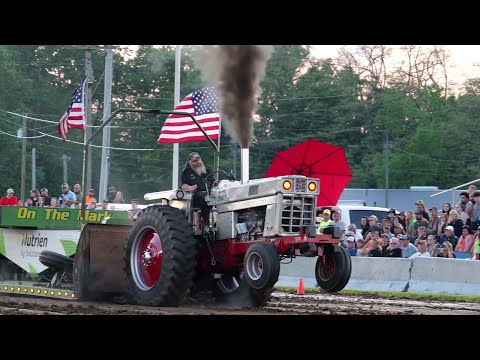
column 356, row 100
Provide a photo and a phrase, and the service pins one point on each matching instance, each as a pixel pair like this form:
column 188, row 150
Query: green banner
column 57, row 219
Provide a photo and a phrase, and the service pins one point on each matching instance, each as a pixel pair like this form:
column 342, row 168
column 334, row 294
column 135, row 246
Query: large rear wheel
column 333, row 269
column 160, row 257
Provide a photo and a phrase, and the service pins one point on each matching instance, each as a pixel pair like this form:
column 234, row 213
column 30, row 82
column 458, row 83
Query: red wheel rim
column 150, row 258
column 327, row 266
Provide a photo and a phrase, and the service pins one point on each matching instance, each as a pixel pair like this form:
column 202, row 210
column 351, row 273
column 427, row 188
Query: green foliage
column 431, row 137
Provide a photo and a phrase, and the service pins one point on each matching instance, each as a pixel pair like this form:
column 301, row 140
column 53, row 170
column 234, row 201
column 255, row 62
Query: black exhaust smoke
column 236, row 71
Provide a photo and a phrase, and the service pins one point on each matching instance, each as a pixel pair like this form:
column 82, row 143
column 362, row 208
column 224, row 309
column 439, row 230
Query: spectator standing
column 68, row 198
column 476, row 210
column 325, row 221
column 464, row 198
column 336, row 221
column 10, row 199
column 90, row 197
column 471, row 202
column 46, row 199
column 77, row 190
column 420, row 204
column 112, row 192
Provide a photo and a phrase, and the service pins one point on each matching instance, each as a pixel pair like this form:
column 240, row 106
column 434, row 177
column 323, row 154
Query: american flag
column 203, row 105
column 74, row 117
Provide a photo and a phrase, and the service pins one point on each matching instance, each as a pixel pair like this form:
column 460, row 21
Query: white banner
column 23, row 246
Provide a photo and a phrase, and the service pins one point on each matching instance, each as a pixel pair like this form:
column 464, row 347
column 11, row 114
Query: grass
column 389, row 294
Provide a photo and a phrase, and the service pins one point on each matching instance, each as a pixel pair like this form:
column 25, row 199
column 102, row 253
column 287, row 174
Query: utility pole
column 24, row 158
column 34, row 170
column 107, row 111
column 65, row 158
column 386, row 168
column 88, row 115
column 176, row 100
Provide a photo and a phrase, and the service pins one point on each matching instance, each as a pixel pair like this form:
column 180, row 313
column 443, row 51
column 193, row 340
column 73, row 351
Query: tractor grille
column 297, row 211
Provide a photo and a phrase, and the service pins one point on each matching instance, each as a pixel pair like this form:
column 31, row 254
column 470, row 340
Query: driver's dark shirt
column 190, row 177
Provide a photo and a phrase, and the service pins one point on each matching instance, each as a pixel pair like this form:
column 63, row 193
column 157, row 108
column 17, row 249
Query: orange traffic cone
column 300, row 289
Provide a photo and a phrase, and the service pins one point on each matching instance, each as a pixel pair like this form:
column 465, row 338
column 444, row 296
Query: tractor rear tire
column 334, row 274
column 160, row 257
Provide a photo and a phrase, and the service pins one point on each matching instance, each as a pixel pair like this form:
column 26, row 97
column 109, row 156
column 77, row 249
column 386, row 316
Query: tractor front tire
column 333, row 271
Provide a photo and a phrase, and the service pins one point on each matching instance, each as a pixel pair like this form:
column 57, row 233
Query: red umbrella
column 315, row 159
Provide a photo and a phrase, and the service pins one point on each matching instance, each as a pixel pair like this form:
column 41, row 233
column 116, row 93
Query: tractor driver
column 193, row 180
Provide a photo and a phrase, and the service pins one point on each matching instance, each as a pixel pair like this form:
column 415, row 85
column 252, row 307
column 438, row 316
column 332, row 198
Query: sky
column 463, row 57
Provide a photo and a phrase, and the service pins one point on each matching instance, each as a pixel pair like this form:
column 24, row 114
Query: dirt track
column 281, row 304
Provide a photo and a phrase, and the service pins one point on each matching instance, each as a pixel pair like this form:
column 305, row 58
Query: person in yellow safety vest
column 325, row 222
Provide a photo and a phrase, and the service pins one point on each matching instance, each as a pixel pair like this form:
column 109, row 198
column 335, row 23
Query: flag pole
column 176, row 100
column 216, row 161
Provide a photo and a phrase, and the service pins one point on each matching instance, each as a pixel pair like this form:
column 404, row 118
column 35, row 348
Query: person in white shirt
column 422, row 250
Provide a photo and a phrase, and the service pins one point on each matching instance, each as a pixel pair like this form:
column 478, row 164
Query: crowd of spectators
column 66, row 198
column 449, row 232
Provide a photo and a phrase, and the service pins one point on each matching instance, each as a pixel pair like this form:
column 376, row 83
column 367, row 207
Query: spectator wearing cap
column 393, row 249
column 420, row 204
column 391, row 214
column 351, row 246
column 112, row 192
column 432, row 228
column 372, row 224
column 326, row 221
column 449, row 236
column 90, row 197
column 68, row 198
column 465, row 241
column 47, row 200
column 10, row 199
column 408, row 249
column 422, row 250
